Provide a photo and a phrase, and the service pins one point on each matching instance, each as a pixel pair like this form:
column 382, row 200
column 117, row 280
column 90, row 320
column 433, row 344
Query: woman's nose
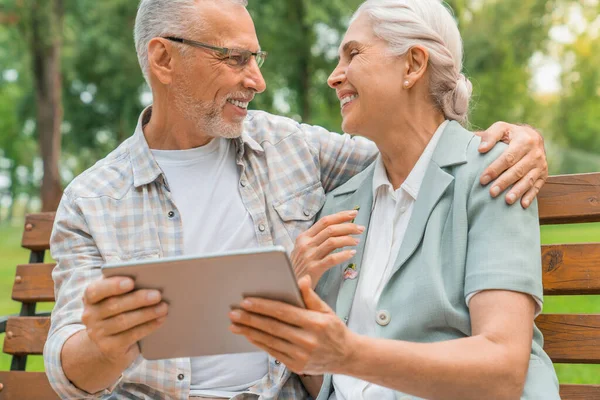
column 336, row 77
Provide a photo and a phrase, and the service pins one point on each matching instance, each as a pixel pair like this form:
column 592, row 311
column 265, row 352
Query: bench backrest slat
column 19, row 385
column 571, row 269
column 567, row 199
column 580, row 392
column 37, row 230
column 26, row 335
column 571, row 338
column 33, row 283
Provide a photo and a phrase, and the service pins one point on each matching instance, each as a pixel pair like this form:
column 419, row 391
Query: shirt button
column 402, row 210
column 277, row 362
column 261, row 228
column 306, row 213
column 171, row 214
column 346, row 319
column 243, row 183
column 383, row 318
column 180, row 377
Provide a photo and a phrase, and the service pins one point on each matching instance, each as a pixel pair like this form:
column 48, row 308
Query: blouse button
column 171, row 214
column 180, row 377
column 261, row 228
column 383, row 318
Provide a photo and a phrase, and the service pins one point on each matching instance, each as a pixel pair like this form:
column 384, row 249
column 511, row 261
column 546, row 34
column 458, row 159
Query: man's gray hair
column 428, row 23
column 157, row 18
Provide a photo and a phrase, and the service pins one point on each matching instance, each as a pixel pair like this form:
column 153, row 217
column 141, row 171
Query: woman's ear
column 160, row 59
column 417, row 59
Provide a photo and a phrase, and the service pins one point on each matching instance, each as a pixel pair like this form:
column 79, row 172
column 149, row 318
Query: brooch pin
column 350, row 272
column 356, row 208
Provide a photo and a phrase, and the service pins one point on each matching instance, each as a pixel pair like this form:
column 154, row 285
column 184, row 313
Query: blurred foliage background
column 71, row 91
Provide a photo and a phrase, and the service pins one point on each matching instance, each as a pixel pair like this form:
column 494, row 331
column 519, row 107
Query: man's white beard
column 207, row 117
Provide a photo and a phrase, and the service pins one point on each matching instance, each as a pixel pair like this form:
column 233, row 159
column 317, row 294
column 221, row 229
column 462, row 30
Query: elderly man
column 199, row 174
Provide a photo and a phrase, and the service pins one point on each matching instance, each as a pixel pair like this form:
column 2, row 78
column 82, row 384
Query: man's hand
column 523, row 164
column 312, row 254
column 309, row 341
column 116, row 317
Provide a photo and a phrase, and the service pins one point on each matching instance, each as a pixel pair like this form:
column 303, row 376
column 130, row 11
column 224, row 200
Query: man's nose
column 254, row 79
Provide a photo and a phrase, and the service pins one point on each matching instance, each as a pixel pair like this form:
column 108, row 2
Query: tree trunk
column 45, row 45
column 304, row 63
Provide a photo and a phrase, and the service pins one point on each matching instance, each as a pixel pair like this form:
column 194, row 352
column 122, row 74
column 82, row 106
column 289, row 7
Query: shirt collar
column 145, row 167
column 413, row 181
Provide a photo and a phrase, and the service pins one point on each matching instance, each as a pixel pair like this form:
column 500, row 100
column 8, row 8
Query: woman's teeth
column 347, row 100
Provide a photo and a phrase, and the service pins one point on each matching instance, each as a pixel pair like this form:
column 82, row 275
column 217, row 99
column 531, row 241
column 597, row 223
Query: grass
column 11, row 254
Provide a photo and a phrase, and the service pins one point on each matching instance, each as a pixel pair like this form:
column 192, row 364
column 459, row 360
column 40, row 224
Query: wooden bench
column 570, row 269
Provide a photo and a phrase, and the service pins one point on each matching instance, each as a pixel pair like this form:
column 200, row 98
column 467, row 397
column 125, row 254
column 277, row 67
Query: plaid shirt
column 121, row 209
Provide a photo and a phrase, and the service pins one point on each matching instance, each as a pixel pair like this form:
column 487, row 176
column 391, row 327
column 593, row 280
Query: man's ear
column 417, row 59
column 160, row 58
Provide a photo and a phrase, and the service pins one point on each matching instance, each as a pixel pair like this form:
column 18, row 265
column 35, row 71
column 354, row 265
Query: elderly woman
column 447, row 310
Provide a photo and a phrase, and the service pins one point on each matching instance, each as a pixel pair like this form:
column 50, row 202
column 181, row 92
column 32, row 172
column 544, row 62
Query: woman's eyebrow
column 347, row 46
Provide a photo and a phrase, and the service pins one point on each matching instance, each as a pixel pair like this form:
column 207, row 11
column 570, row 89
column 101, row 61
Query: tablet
column 201, row 290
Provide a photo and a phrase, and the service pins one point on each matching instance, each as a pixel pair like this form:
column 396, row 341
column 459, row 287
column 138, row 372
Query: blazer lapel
column 450, row 150
column 357, row 195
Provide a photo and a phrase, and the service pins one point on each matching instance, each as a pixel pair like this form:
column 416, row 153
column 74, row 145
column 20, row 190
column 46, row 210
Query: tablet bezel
column 234, row 275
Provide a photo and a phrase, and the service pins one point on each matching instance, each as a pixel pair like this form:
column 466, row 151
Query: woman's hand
column 308, row 341
column 523, row 165
column 313, row 249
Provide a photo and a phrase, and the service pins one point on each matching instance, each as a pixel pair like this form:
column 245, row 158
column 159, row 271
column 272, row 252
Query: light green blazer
column 459, row 240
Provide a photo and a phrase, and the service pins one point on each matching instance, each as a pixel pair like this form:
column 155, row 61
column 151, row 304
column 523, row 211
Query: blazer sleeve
column 503, row 249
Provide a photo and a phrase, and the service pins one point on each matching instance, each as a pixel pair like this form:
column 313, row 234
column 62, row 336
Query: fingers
column 507, row 161
column 104, row 288
column 342, row 230
column 134, row 335
column 333, row 219
column 521, row 187
column 273, row 327
column 265, row 339
column 311, row 299
column 332, row 244
column 131, row 301
column 495, row 133
column 115, row 347
column 533, row 192
column 333, row 259
column 125, row 321
column 275, row 310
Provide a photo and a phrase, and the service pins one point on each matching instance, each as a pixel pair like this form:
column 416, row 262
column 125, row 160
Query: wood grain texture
column 571, row 338
column 570, row 199
column 37, row 230
column 571, row 269
column 26, row 335
column 579, row 392
column 18, row 385
column 33, row 283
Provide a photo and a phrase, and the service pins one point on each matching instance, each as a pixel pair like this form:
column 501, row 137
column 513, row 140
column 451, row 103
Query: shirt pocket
column 298, row 210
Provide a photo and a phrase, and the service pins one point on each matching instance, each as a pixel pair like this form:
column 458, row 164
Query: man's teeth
column 238, row 103
column 348, row 99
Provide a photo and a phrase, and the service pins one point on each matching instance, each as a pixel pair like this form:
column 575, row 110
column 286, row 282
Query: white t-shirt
column 204, row 184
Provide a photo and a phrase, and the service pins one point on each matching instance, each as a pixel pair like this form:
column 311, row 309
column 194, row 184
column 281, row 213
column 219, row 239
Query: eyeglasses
column 234, row 57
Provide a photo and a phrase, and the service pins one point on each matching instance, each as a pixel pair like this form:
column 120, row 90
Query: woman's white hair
column 157, row 18
column 428, row 23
